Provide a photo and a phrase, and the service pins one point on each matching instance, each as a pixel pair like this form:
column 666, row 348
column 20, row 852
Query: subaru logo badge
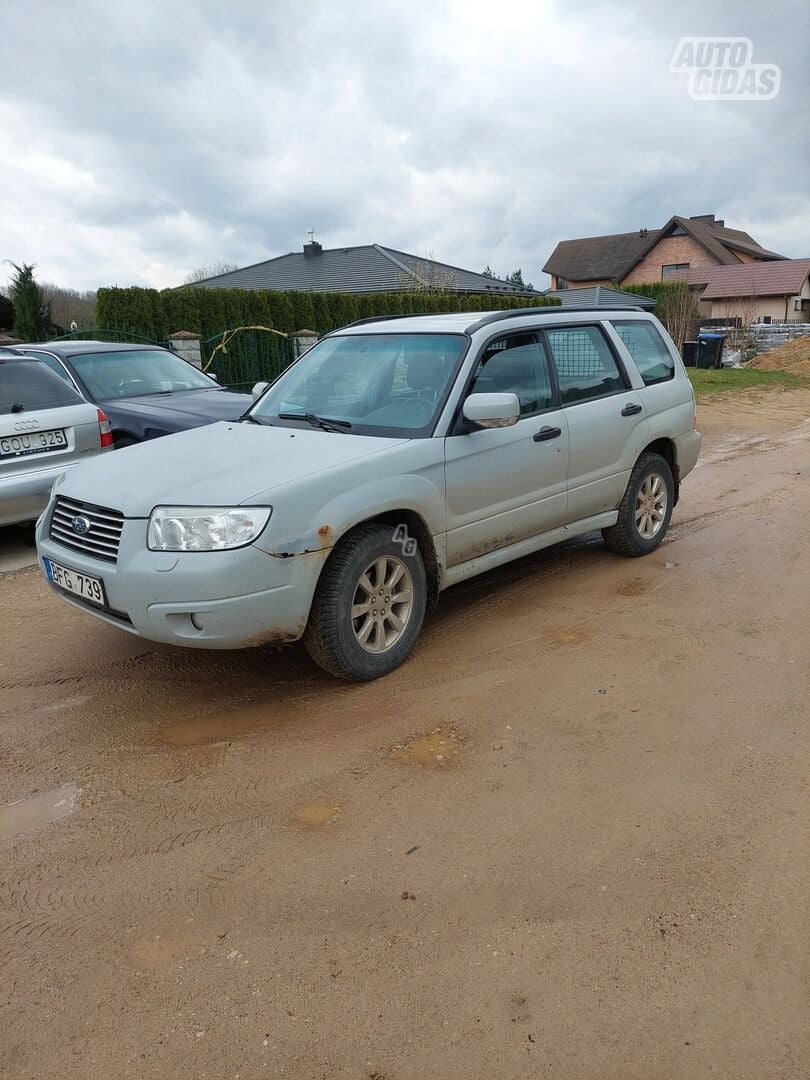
column 80, row 525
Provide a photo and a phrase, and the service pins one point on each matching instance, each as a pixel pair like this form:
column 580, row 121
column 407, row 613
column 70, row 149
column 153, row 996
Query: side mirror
column 212, row 375
column 492, row 410
column 259, row 389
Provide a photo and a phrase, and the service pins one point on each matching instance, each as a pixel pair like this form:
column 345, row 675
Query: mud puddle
column 435, row 750
column 44, row 808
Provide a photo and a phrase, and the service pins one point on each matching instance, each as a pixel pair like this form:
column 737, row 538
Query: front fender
column 346, row 509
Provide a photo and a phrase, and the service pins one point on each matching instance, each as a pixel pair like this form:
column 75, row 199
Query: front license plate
column 72, row 581
column 32, row 442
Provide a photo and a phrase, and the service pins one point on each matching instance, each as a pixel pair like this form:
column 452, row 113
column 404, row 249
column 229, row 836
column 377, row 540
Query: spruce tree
column 32, row 312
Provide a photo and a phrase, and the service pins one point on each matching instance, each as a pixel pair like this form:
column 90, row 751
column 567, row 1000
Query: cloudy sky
column 139, row 140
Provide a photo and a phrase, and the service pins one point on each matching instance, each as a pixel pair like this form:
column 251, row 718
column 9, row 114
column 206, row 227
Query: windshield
column 376, row 384
column 129, row 373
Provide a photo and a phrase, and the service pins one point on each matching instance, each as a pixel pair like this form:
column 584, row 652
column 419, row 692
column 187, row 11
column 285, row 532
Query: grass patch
column 718, row 382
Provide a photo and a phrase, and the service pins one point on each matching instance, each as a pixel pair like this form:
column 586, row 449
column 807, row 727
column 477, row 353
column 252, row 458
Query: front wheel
column 368, row 607
column 645, row 510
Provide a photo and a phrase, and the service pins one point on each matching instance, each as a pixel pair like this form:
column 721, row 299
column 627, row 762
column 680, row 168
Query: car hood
column 186, row 406
column 217, row 465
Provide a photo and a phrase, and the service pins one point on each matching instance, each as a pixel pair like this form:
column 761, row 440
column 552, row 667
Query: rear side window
column 646, row 346
column 28, row 385
column 585, row 365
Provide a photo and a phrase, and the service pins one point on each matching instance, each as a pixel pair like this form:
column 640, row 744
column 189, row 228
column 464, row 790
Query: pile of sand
column 793, row 356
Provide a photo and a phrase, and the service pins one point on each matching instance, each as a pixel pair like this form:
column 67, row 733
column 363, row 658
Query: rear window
column 646, row 346
column 29, row 386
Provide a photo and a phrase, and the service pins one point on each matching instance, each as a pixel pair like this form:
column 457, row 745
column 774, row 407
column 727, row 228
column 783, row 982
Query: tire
column 120, row 441
column 350, row 584
column 639, row 529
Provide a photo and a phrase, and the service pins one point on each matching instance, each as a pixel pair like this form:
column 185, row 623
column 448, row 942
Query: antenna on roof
column 311, row 234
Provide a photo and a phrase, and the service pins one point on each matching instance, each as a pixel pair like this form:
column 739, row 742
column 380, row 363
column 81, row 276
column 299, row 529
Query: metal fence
column 242, row 357
column 100, row 333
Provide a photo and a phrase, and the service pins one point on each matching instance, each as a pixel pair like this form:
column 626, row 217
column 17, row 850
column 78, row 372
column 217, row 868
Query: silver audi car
column 46, row 427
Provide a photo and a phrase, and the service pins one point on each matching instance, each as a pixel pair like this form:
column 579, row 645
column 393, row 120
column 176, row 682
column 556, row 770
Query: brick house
column 652, row 254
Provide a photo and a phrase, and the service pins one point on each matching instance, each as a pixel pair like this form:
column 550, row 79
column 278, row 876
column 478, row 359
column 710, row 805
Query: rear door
column 43, row 421
column 607, row 426
column 507, row 484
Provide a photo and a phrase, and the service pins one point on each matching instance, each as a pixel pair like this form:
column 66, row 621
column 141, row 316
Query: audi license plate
column 88, row 588
column 32, row 442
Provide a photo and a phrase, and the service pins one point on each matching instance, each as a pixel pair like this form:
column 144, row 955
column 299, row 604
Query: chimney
column 707, row 219
column 642, row 233
column 312, row 248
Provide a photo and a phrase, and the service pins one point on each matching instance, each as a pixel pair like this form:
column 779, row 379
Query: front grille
column 101, row 539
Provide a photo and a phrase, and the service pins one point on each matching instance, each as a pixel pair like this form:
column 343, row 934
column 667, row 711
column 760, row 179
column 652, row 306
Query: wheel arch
column 415, row 527
column 665, row 448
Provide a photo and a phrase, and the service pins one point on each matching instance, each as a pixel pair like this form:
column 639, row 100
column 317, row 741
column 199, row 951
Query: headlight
column 205, row 528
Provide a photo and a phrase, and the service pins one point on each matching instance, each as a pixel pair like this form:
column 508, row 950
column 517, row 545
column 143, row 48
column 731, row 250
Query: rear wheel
column 645, row 510
column 120, row 441
column 368, row 607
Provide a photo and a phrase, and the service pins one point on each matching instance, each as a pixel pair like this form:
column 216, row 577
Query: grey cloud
column 156, row 137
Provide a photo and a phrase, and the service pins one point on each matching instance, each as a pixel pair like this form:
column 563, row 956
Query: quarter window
column 646, row 346
column 515, row 365
column 585, row 365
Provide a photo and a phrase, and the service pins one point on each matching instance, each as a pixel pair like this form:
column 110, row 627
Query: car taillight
column 104, row 429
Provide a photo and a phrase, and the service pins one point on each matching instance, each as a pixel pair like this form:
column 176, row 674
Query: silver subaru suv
column 394, row 459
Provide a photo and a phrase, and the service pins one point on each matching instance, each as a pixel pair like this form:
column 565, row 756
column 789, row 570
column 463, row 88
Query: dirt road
column 569, row 839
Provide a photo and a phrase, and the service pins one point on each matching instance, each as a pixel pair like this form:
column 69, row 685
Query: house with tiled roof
column 756, row 292
column 361, row 269
column 649, row 255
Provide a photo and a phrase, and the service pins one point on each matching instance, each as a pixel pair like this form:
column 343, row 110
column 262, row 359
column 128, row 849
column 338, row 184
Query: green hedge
column 655, row 290
column 156, row 314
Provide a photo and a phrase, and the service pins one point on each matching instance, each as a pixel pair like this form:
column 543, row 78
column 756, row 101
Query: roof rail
column 518, row 313
column 388, row 318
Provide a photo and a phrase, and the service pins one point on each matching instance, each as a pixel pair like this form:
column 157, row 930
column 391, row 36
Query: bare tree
column 214, row 270
column 679, row 312
column 744, row 310
column 71, row 305
column 430, row 276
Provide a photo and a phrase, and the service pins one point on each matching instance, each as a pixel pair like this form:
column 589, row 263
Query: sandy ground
column 569, row 839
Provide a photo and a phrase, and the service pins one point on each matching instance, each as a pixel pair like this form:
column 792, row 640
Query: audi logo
column 26, row 425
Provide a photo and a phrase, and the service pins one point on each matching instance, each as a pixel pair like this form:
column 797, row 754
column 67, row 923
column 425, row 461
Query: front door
column 507, row 484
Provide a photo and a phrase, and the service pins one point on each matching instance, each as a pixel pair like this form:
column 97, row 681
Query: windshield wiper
column 323, row 422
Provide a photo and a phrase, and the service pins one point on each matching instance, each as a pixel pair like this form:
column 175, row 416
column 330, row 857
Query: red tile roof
column 783, row 278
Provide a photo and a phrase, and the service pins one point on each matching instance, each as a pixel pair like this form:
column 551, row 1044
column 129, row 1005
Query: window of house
column 562, row 283
column 585, row 365
column 646, row 346
column 516, row 364
column 668, row 268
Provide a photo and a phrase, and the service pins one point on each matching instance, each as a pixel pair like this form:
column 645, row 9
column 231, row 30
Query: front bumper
column 203, row 600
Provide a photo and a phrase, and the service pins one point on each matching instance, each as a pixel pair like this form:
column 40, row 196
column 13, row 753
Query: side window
column 584, row 362
column 515, row 365
column 646, row 346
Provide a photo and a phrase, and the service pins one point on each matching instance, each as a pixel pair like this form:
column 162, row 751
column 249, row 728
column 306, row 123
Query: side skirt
column 526, row 547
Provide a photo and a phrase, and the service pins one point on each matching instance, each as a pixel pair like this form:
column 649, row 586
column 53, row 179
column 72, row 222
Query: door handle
column 631, row 410
column 546, row 433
